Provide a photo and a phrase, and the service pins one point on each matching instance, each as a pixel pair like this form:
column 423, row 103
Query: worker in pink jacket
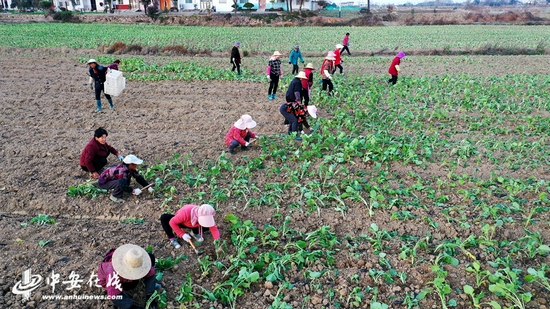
column 240, row 134
column 190, row 217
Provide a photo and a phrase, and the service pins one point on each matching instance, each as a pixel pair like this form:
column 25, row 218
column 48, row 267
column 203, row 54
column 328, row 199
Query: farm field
column 432, row 193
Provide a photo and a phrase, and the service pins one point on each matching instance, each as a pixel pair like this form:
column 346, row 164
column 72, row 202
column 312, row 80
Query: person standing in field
column 236, row 58
column 394, row 68
column 98, row 76
column 345, row 43
column 326, row 69
column 307, row 84
column 338, row 60
column 293, row 58
column 274, row 72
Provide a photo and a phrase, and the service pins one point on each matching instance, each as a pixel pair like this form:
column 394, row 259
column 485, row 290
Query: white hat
column 339, row 46
column 131, row 159
column 312, row 110
column 330, row 56
column 245, row 122
column 131, row 262
column 91, row 61
column 301, row 75
column 310, row 66
column 277, row 53
column 206, row 215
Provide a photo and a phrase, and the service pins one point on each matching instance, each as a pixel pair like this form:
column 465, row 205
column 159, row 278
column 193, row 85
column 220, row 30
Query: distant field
column 47, row 35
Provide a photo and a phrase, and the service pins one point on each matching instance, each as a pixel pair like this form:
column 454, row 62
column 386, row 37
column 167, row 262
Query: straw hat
column 310, row 66
column 301, row 75
column 245, row 122
column 91, row 61
column 330, row 56
column 206, row 215
column 339, row 46
column 312, row 110
column 131, row 262
column 131, row 159
column 277, row 53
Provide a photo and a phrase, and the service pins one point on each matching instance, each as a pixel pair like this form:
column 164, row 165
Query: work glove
column 92, row 86
column 136, row 191
column 329, row 77
column 246, row 144
column 397, row 68
column 257, row 136
column 120, row 157
column 289, row 62
column 186, row 237
column 233, row 60
column 268, row 78
column 302, row 62
column 150, row 189
column 197, row 237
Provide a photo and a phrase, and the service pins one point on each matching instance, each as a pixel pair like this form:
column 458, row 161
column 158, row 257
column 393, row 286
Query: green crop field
column 437, row 188
column 270, row 38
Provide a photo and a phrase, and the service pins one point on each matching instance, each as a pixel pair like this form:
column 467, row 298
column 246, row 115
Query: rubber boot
column 269, row 97
column 98, row 102
column 274, row 96
column 111, row 105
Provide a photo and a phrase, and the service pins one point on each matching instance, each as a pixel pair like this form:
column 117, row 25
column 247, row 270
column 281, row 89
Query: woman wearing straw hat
column 118, row 178
column 307, row 83
column 274, row 72
column 338, row 59
column 394, row 68
column 293, row 58
column 189, row 217
column 326, row 69
column 240, row 134
column 98, row 76
column 122, row 269
column 236, row 58
column 293, row 110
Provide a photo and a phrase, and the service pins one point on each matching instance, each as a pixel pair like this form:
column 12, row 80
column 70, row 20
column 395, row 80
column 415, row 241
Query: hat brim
column 330, row 58
column 207, row 221
column 312, row 111
column 126, row 272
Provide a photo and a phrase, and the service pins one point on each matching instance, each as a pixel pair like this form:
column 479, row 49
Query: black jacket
column 101, row 74
column 235, row 54
column 294, row 90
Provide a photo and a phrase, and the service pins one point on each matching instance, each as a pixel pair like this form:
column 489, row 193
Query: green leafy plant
column 167, row 263
column 85, row 189
column 135, row 221
column 42, row 219
column 160, row 299
column 42, row 243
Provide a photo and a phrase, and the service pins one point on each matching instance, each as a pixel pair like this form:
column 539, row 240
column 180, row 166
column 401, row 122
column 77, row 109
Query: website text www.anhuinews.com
column 76, row 297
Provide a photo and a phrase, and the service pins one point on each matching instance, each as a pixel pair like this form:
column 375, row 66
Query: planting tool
column 253, row 141
column 194, row 248
column 147, row 186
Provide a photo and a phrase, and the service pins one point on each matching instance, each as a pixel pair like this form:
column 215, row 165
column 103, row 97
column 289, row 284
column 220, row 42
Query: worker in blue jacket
column 295, row 55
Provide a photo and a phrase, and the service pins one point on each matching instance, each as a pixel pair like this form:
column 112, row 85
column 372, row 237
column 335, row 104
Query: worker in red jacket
column 338, row 60
column 394, row 67
column 94, row 156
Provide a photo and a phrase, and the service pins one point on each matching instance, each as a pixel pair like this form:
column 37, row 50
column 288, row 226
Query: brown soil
column 47, row 118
